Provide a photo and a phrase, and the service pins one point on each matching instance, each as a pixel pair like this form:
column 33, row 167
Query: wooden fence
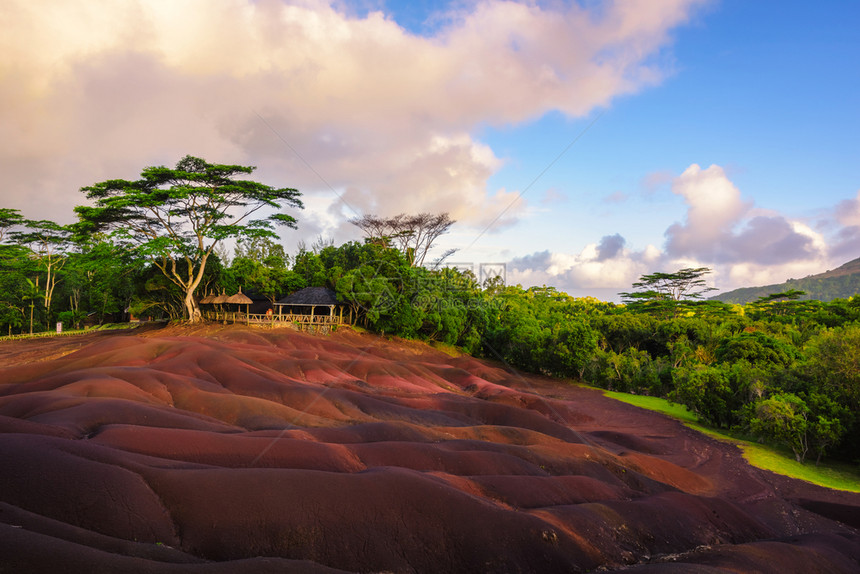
column 273, row 320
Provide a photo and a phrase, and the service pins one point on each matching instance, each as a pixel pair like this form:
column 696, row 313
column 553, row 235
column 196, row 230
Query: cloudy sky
column 580, row 144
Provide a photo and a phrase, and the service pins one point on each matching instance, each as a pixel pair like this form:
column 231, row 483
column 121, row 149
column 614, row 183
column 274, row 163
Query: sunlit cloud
column 721, row 227
column 847, row 213
column 318, row 98
column 602, row 268
column 743, row 245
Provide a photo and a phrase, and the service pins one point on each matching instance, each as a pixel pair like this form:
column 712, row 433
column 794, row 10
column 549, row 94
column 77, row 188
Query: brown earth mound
column 240, row 450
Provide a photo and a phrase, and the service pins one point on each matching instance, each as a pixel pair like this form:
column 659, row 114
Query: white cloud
column 722, row 228
column 744, row 246
column 848, row 211
column 602, row 268
column 714, row 207
column 95, row 89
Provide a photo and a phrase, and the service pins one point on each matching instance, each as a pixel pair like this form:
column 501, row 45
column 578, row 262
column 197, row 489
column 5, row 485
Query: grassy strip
column 43, row 334
column 70, row 332
column 781, row 461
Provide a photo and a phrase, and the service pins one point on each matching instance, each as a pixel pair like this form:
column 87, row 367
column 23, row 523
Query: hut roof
column 310, row 296
column 208, row 299
column 222, row 298
column 239, row 299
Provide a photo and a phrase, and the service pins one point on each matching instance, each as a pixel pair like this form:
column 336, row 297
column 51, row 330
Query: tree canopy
column 665, row 291
column 9, row 219
column 177, row 217
column 413, row 235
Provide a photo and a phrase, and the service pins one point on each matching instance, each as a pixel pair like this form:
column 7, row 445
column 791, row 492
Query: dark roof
column 310, row 296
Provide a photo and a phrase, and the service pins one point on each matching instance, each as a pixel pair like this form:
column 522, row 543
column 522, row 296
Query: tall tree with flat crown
column 177, row 217
column 666, row 292
column 413, row 235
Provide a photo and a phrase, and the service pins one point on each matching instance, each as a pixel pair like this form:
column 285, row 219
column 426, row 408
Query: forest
column 783, row 368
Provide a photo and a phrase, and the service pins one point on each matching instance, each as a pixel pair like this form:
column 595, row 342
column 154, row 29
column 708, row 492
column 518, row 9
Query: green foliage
column 100, row 279
column 783, row 419
column 718, row 393
column 267, row 277
column 9, row 220
column 631, row 371
column 16, row 269
column 49, row 243
column 177, row 217
column 666, row 294
column 838, row 476
column 756, row 348
column 262, row 250
column 835, row 364
column 542, row 330
column 310, row 268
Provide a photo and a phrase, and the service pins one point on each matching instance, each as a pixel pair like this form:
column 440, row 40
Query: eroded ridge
column 236, row 450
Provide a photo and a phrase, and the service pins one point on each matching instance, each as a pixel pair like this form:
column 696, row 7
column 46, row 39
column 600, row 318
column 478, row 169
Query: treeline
column 780, row 369
column 783, row 369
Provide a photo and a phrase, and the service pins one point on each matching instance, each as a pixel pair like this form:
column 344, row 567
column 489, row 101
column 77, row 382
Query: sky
column 577, row 144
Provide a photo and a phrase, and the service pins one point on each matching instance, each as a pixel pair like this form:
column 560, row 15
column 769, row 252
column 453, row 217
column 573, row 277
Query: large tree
column 177, row 217
column 661, row 292
column 49, row 244
column 9, row 218
column 413, row 235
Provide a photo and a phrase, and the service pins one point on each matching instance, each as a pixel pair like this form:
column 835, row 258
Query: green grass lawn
column 839, row 476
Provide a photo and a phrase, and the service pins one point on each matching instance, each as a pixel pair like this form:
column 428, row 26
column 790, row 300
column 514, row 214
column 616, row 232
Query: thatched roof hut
column 239, row 299
column 207, row 299
column 222, row 298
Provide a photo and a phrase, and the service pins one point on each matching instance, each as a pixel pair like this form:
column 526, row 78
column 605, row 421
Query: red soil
column 239, row 450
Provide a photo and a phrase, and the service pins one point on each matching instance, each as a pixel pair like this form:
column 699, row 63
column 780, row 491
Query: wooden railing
column 262, row 319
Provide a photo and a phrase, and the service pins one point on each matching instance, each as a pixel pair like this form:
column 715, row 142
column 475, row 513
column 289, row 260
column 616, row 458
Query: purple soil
column 239, row 450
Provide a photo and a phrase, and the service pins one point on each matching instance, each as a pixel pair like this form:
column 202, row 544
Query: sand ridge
column 240, row 449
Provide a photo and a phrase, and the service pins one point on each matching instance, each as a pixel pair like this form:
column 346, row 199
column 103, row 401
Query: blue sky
column 580, row 144
column 768, row 90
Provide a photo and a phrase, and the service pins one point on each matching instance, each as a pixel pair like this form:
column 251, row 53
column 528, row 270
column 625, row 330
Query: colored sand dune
column 238, row 450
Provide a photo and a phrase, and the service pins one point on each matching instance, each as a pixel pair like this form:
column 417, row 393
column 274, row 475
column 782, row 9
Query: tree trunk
column 194, row 315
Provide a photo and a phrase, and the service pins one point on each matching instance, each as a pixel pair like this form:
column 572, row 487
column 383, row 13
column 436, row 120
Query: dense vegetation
column 783, row 368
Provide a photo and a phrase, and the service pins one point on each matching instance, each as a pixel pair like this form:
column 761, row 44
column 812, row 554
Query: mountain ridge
column 840, row 283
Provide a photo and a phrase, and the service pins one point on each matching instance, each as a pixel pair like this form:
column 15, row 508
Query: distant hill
column 839, row 283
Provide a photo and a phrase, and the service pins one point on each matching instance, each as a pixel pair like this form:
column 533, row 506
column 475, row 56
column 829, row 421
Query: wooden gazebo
column 207, row 299
column 220, row 313
column 308, row 308
column 240, row 299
